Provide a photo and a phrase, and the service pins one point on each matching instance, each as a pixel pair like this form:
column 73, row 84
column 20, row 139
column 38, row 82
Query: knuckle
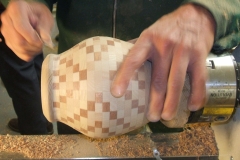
column 20, row 43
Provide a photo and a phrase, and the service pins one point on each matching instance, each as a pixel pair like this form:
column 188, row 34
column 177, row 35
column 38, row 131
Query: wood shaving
column 195, row 140
column 34, row 146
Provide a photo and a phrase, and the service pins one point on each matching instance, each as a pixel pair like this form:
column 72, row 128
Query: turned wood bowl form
column 76, row 89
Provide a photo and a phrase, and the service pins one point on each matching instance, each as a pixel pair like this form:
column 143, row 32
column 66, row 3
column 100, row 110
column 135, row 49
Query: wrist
column 208, row 15
column 201, row 14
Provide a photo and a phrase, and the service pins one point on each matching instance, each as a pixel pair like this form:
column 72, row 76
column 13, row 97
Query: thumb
column 44, row 34
column 46, row 38
column 45, row 23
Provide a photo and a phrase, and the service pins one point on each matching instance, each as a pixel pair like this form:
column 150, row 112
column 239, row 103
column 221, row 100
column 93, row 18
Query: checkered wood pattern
column 76, row 89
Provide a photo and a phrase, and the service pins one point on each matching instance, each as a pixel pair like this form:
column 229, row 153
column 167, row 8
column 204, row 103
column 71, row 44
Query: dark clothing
column 80, row 19
column 22, row 82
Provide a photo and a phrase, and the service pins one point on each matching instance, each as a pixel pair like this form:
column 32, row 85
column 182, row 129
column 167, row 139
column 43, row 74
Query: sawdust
column 34, row 146
column 195, row 140
column 124, row 146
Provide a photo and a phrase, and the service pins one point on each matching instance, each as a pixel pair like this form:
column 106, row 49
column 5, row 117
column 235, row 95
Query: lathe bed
column 197, row 141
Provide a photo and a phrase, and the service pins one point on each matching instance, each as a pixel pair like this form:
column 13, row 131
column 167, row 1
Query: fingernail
column 116, row 91
column 193, row 108
column 167, row 116
column 153, row 116
column 48, row 41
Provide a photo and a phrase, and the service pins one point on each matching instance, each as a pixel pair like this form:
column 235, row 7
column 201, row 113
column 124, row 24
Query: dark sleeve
column 2, row 8
column 227, row 16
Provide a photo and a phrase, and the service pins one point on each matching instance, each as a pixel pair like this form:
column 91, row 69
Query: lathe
column 71, row 95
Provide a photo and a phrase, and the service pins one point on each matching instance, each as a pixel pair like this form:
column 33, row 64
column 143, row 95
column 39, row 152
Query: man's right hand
column 176, row 44
column 22, row 24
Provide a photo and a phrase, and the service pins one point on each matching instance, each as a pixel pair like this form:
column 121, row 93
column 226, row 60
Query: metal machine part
column 156, row 154
column 221, row 90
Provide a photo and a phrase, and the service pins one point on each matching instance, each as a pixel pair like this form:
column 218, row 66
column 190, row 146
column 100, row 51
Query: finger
column 198, row 76
column 8, row 31
column 44, row 29
column 175, row 82
column 19, row 38
column 133, row 41
column 22, row 24
column 45, row 38
column 17, row 44
column 134, row 59
column 161, row 67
